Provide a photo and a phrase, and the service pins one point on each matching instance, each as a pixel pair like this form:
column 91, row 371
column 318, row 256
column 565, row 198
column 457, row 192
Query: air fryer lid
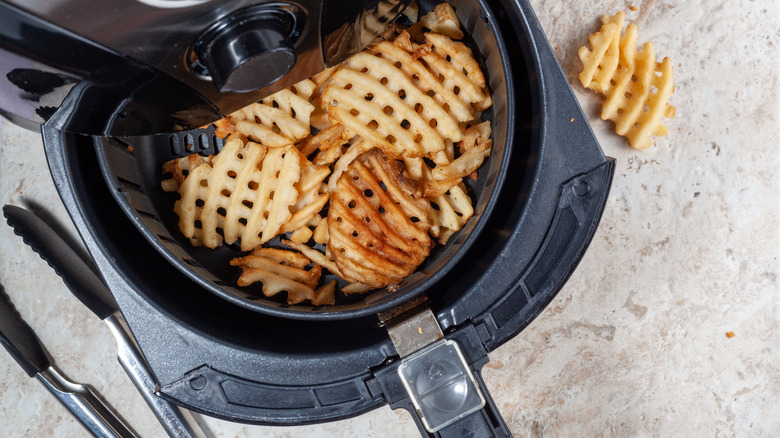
column 230, row 362
column 132, row 166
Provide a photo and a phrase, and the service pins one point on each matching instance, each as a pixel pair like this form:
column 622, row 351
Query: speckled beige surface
column 634, row 345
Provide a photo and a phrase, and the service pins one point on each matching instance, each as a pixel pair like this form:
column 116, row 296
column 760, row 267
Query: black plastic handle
column 19, row 339
column 77, row 275
column 485, row 423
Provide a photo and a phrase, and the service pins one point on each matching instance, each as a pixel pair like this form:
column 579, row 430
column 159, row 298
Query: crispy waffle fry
column 301, row 235
column 312, row 195
column 278, row 120
column 317, row 257
column 601, row 62
column 179, row 168
column 465, row 164
column 444, row 21
column 383, row 117
column 451, row 211
column 276, row 193
column 636, row 87
column 330, row 138
column 325, row 295
column 377, row 234
column 356, row 288
column 205, row 193
column 422, row 104
column 279, row 270
column 320, row 234
column 249, row 194
column 453, row 62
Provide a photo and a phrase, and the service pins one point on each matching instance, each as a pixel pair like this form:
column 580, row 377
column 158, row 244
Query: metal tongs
column 85, row 285
column 24, row 346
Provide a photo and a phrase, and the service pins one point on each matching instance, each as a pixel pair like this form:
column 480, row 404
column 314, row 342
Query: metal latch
column 433, row 370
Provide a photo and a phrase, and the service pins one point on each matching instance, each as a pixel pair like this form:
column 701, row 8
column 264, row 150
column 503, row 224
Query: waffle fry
column 325, row 295
column 179, row 168
column 410, row 121
column 378, row 235
column 398, row 130
column 444, row 21
column 278, row 120
column 301, row 235
column 636, row 87
column 467, row 163
column 251, row 193
column 320, row 233
column 279, row 270
column 316, row 256
column 450, row 212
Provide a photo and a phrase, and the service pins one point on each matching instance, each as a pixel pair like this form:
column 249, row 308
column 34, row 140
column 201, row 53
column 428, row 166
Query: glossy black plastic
column 248, row 50
column 131, row 68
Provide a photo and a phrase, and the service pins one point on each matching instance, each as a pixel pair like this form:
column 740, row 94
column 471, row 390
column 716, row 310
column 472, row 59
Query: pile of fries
column 364, row 160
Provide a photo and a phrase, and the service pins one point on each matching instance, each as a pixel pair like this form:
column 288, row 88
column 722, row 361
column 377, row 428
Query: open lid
column 78, row 67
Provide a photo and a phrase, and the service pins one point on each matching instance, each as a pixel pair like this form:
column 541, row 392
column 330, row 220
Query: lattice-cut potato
column 421, row 103
column 637, row 88
column 442, row 19
column 450, row 212
column 280, row 119
column 279, row 270
column 377, row 227
column 251, row 193
column 179, row 168
column 602, row 61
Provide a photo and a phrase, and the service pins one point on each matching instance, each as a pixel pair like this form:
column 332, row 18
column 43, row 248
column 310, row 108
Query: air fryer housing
column 229, row 362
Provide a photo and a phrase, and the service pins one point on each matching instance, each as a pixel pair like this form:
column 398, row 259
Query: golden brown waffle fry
column 249, row 194
column 301, row 235
column 317, row 257
column 325, row 295
column 444, row 21
column 312, row 195
column 278, row 120
column 450, row 212
column 460, row 71
column 327, row 139
column 321, row 232
column 600, row 63
column 278, row 271
column 465, row 164
column 179, row 168
column 421, row 103
column 636, row 87
column 276, row 193
column 377, row 228
column 205, row 193
column 356, row 288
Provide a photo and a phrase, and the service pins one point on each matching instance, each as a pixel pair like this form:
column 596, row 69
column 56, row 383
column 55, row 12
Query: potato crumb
column 729, row 335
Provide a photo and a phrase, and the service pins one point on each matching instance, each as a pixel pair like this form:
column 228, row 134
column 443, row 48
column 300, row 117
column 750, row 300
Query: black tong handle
column 76, row 274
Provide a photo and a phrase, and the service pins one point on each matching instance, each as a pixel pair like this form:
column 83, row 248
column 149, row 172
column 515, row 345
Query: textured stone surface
column 635, row 343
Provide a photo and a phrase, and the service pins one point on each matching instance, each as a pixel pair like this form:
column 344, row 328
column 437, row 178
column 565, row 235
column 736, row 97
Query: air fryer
column 228, row 360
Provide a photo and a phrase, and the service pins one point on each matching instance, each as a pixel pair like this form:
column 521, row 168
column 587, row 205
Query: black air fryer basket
column 220, row 351
column 133, row 167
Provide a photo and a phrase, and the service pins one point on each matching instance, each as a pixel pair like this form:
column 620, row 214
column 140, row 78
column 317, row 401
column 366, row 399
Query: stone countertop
column 635, row 344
